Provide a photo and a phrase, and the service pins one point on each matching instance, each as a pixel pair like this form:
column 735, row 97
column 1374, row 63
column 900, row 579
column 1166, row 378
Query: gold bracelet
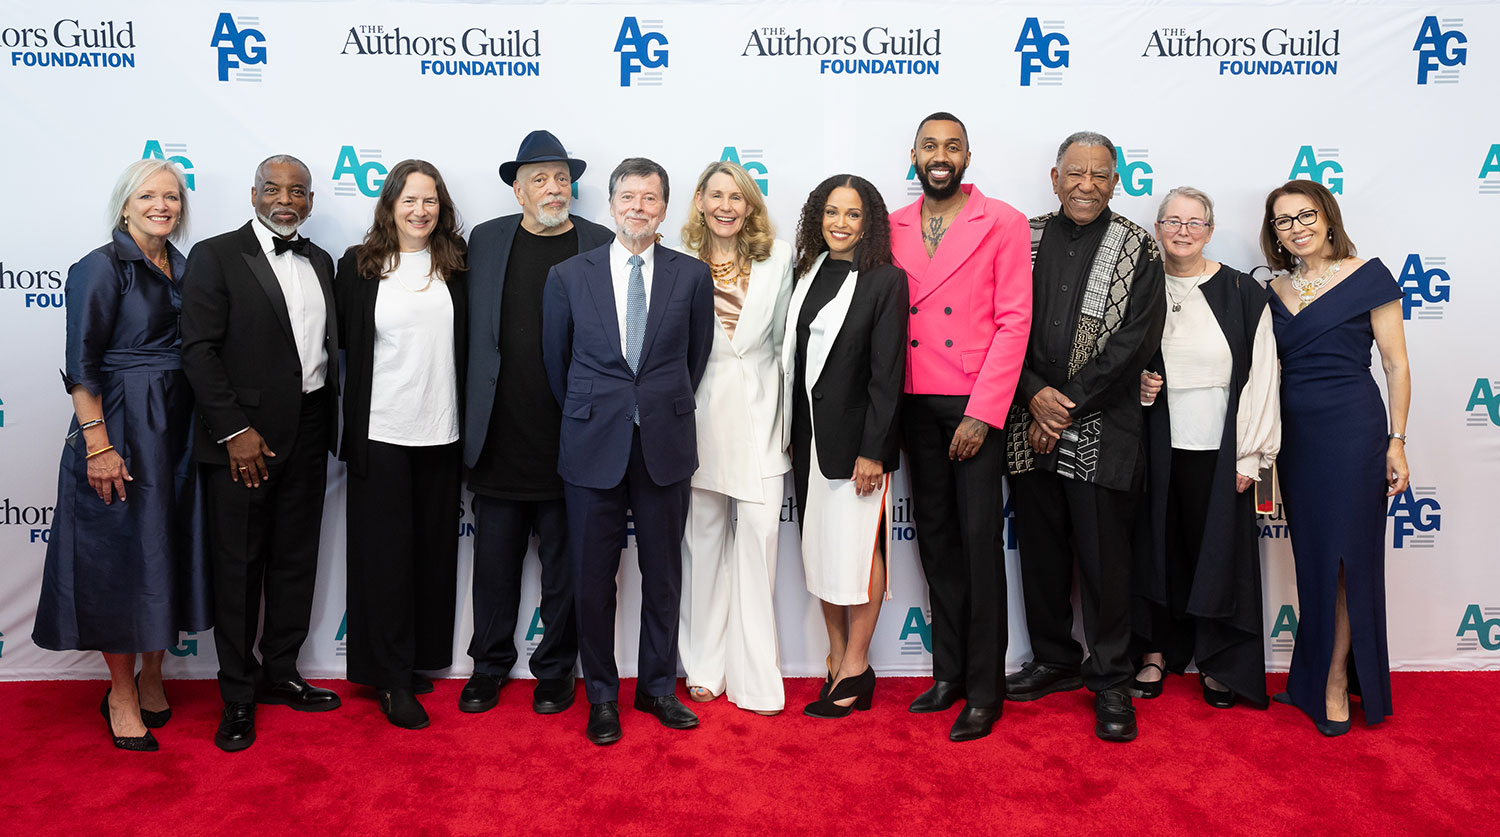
column 104, row 449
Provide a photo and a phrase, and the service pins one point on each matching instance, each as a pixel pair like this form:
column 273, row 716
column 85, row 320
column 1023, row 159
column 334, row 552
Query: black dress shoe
column 552, row 695
column 941, row 696
column 667, row 709
column 1148, row 689
column 974, row 722
column 300, row 695
column 481, row 693
column 604, row 723
column 142, row 744
column 236, row 727
column 402, row 709
column 1217, row 698
column 1114, row 716
column 152, row 720
column 421, row 684
column 1331, row 729
column 1037, row 680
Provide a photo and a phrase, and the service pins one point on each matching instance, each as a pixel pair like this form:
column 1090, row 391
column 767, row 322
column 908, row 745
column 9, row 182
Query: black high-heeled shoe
column 143, row 744
column 827, row 684
column 861, row 687
column 152, row 720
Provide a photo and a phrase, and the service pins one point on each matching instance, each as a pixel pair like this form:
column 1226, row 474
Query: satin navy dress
column 1333, row 480
column 126, row 577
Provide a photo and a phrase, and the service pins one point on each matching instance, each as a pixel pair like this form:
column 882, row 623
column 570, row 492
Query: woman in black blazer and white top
column 845, row 356
column 401, row 299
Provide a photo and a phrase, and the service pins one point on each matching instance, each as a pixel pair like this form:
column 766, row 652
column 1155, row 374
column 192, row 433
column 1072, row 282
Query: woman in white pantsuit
column 727, row 632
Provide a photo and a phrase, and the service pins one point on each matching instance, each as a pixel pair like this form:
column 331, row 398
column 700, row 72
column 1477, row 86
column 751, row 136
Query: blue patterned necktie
column 635, row 320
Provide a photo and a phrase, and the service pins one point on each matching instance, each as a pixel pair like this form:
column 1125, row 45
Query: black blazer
column 237, row 345
column 356, row 310
column 856, row 398
column 489, row 257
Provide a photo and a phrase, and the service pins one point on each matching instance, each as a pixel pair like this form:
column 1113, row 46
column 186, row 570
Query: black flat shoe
column 1332, row 729
column 974, row 722
column 1148, row 689
column 1283, row 697
column 861, row 687
column 402, row 709
column 300, row 695
column 481, row 693
column 940, row 697
column 666, row 709
column 604, row 723
column 152, row 720
column 1037, row 680
column 1217, row 698
column 553, row 695
column 236, row 727
column 142, row 744
column 1114, row 717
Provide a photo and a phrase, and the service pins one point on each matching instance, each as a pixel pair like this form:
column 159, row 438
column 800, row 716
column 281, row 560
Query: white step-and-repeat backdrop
column 1392, row 105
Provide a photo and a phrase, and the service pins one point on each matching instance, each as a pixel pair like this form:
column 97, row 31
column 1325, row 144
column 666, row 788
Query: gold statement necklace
column 1307, row 289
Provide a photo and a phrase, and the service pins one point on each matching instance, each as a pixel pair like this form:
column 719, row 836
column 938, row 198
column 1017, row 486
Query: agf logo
column 639, row 50
column 1412, row 515
column 1422, row 286
column 1436, row 48
column 1041, row 51
column 367, row 176
column 155, row 150
column 234, row 45
column 751, row 164
column 1307, row 165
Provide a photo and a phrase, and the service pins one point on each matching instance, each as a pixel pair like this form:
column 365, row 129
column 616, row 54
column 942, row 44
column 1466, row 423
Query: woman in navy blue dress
column 1342, row 451
column 125, row 566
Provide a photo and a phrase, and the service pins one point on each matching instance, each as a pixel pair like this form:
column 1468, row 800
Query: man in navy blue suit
column 626, row 330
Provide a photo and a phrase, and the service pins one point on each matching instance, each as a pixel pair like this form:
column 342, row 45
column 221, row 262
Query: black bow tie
column 296, row 245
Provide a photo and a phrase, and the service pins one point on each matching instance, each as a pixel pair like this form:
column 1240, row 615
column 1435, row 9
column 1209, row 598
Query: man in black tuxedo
column 626, row 331
column 511, row 425
column 260, row 348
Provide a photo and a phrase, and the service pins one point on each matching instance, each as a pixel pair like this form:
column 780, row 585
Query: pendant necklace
column 1177, row 303
column 1307, row 289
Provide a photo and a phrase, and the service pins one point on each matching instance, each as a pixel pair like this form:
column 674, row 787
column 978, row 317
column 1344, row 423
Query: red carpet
column 1429, row 770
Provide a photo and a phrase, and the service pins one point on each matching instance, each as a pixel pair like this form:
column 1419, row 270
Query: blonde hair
column 131, row 179
column 754, row 241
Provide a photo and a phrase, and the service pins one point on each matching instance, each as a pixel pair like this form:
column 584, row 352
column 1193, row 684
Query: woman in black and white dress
column 845, row 354
column 402, row 310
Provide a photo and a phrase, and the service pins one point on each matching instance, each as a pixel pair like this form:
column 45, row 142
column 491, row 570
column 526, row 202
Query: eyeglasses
column 1194, row 227
column 1306, row 218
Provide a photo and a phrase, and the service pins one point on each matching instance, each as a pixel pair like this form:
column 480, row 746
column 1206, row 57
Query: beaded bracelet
column 104, row 449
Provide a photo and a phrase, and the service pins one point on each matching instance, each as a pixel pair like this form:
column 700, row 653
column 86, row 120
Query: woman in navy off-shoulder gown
column 125, row 566
column 1342, row 452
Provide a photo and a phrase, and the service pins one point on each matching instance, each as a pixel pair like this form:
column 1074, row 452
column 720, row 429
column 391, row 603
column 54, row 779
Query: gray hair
column 131, row 179
column 1187, row 192
column 1087, row 139
column 639, row 167
column 274, row 159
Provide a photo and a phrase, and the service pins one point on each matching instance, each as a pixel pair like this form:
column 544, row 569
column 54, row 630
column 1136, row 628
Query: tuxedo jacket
column 854, row 382
column 237, row 345
column 591, row 380
column 489, row 258
column 356, row 297
column 970, row 303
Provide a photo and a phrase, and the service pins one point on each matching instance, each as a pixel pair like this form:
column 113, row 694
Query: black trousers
column 265, row 542
column 958, row 511
column 1173, row 632
column 403, row 563
column 502, row 532
column 1060, row 521
column 596, row 534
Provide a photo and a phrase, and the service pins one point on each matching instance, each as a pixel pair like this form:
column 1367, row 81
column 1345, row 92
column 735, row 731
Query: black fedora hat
column 540, row 147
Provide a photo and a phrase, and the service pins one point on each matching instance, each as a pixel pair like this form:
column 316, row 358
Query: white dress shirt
column 619, row 273
column 304, row 305
column 305, row 308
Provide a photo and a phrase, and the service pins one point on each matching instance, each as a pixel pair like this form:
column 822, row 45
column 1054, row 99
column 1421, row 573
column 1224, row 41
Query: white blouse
column 1196, row 378
column 414, row 379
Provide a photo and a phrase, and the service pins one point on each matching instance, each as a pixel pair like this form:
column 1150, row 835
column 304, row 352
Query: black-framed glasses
column 1194, row 227
column 1306, row 218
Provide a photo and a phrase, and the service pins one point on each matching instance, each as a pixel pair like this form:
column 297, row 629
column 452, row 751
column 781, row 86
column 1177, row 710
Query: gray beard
column 552, row 220
column 280, row 229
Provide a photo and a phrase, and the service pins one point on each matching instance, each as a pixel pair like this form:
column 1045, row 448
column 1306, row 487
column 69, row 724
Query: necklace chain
column 1177, row 303
column 1307, row 289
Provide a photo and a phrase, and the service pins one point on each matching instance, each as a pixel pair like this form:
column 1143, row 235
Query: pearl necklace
column 1307, row 290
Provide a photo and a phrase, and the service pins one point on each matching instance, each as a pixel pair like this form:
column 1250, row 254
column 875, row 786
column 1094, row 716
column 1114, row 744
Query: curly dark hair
column 381, row 250
column 874, row 247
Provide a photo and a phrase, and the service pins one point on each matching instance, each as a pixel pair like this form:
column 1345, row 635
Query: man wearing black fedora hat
column 511, row 427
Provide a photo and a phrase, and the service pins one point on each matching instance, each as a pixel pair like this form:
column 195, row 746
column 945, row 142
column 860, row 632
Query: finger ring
column 243, row 468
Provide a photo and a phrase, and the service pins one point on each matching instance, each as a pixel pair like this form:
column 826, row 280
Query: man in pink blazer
column 968, row 259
